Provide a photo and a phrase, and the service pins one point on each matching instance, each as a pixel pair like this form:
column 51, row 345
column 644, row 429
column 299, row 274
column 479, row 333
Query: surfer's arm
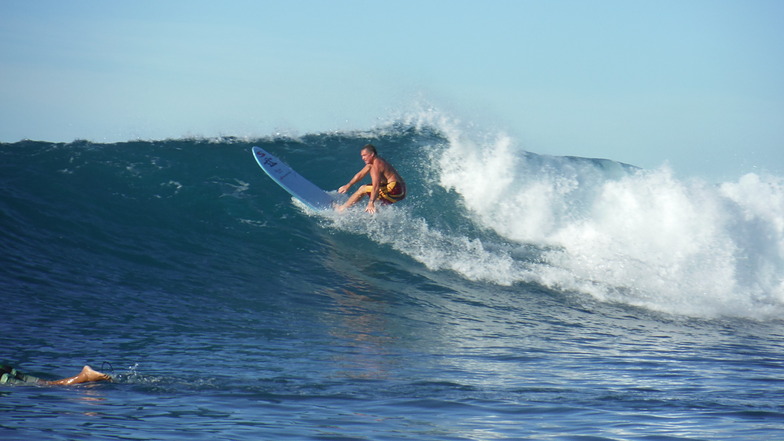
column 358, row 177
column 375, row 176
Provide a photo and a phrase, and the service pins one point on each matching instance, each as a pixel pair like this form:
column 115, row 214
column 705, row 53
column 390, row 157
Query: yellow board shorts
column 390, row 193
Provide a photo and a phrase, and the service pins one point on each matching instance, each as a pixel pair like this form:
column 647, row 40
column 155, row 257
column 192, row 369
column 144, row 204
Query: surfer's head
column 368, row 153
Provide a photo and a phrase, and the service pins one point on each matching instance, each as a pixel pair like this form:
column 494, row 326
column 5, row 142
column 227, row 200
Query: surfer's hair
column 371, row 148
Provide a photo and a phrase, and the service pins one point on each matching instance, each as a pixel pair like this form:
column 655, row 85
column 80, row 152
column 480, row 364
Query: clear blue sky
column 698, row 84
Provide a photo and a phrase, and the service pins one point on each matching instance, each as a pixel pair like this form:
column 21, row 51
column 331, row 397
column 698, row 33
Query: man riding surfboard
column 386, row 183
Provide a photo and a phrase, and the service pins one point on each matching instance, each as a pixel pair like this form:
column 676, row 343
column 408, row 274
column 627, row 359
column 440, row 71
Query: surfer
column 9, row 375
column 386, row 183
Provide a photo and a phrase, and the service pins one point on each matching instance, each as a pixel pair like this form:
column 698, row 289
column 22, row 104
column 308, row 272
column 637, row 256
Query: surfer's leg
column 86, row 375
column 359, row 194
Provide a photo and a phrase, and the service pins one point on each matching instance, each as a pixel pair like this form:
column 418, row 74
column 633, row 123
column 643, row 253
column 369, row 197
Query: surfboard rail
column 295, row 184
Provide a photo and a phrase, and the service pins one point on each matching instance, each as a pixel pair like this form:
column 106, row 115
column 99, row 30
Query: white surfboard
column 302, row 189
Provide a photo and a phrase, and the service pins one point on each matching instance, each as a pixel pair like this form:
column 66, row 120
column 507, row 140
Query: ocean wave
column 479, row 206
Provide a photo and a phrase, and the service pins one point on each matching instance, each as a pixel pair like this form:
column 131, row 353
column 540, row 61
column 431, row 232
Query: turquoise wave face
column 478, row 208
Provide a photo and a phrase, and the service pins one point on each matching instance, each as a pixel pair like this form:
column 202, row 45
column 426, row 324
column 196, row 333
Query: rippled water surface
column 226, row 311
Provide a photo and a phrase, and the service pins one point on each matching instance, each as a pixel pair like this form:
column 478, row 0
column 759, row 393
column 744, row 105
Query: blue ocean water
column 510, row 296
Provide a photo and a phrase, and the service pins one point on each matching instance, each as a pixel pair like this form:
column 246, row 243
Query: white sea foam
column 641, row 237
column 615, row 232
column 635, row 236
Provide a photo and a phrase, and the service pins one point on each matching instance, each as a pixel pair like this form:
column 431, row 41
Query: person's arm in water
column 9, row 375
column 87, row 374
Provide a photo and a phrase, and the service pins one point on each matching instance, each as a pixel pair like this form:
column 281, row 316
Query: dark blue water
column 510, row 296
